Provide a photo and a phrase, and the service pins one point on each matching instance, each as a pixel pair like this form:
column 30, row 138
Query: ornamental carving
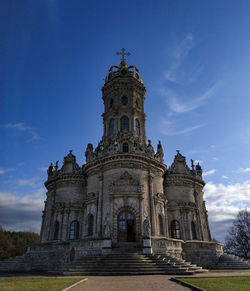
column 125, row 184
column 181, row 203
column 91, row 197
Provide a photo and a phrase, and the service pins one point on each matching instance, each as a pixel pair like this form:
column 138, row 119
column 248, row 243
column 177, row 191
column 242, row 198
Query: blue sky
column 192, row 56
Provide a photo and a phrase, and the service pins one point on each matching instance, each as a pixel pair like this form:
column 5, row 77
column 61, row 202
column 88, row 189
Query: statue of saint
column 146, row 228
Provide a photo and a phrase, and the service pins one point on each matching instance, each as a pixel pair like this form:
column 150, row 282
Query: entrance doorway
column 126, row 227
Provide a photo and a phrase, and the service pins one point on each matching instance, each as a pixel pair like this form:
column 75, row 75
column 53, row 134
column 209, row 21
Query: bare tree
column 238, row 239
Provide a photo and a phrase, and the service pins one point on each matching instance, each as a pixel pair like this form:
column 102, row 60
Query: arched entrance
column 126, row 226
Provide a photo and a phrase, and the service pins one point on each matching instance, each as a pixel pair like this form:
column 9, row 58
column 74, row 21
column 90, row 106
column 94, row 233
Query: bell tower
column 123, row 96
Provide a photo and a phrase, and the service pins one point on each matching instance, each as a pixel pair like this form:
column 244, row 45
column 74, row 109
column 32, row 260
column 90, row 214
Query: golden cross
column 123, row 54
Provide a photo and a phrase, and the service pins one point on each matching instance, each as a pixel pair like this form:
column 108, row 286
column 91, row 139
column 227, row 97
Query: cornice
column 148, row 162
column 177, row 179
column 120, row 83
column 65, row 178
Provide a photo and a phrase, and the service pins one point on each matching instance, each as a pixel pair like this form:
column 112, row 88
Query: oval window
column 124, row 100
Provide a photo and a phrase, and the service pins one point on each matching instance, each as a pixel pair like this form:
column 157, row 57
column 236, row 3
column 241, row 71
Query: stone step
column 113, row 266
column 228, row 261
column 146, row 269
column 113, row 273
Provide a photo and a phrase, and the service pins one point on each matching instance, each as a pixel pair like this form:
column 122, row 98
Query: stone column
column 188, row 228
column 51, row 223
column 100, row 205
column 208, row 229
column 198, row 212
column 151, row 203
column 166, row 218
column 96, row 213
column 139, row 235
column 67, row 224
column 61, row 225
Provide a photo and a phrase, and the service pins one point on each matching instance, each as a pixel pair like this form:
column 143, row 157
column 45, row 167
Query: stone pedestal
column 147, row 248
column 106, row 246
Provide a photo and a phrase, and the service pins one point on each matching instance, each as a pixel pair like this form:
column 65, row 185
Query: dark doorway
column 126, row 227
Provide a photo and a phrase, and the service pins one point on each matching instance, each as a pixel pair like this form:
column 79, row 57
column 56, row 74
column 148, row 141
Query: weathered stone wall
column 170, row 247
column 202, row 253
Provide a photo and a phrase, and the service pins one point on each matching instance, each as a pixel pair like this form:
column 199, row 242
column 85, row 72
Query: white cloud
column 21, row 127
column 21, row 213
column 180, row 52
column 210, row 172
column 224, row 177
column 4, row 170
column 244, row 170
column 198, row 151
column 185, row 104
column 198, row 161
column 223, row 203
column 32, row 182
column 215, row 158
column 168, row 127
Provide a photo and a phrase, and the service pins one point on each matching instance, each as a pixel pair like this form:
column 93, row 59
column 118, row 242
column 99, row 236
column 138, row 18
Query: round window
column 124, row 100
column 123, row 72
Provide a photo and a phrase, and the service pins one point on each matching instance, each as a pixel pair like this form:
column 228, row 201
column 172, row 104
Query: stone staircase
column 15, row 264
column 126, row 262
column 175, row 266
column 231, row 262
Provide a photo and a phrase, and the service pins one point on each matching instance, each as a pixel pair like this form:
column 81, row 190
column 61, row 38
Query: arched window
column 111, row 126
column 137, row 126
column 175, row 229
column 90, row 224
column 56, row 230
column 111, row 103
column 193, row 228
column 160, row 220
column 74, row 230
column 124, row 100
column 125, row 147
column 124, row 123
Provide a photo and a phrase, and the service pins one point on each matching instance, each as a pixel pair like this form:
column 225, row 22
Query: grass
column 36, row 284
column 221, row 283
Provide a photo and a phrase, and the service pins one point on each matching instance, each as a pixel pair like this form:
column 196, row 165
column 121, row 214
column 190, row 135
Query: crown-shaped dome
column 123, row 71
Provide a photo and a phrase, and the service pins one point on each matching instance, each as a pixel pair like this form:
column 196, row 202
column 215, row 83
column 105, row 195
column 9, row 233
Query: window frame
column 175, row 228
column 56, row 230
column 161, row 225
column 193, row 229
column 90, row 224
column 137, row 127
column 111, row 129
column 124, row 100
column 74, row 230
column 124, row 123
column 125, row 147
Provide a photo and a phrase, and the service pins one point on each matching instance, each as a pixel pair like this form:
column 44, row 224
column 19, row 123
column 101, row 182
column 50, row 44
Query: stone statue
column 198, row 169
column 50, row 170
column 146, row 227
column 150, row 150
column 107, row 230
column 192, row 164
column 56, row 166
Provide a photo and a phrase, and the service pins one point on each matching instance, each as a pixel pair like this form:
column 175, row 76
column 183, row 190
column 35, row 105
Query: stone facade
column 124, row 193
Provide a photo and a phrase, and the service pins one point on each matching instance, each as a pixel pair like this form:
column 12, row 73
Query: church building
column 124, row 196
column 125, row 193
